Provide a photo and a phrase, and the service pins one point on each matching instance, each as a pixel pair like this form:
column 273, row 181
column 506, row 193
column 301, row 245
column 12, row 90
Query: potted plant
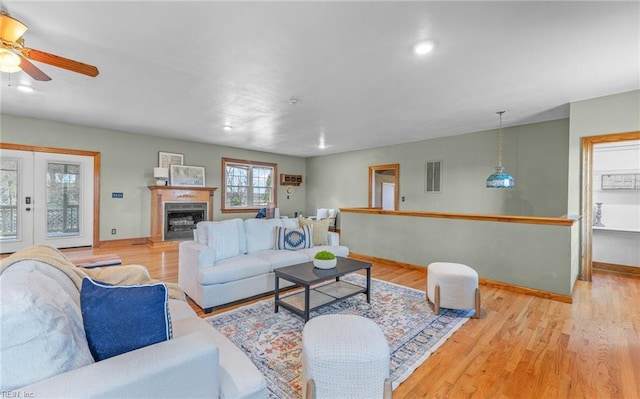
column 324, row 260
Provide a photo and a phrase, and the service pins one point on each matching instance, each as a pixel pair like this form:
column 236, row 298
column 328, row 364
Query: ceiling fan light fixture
column 9, row 61
column 20, row 56
column 10, row 28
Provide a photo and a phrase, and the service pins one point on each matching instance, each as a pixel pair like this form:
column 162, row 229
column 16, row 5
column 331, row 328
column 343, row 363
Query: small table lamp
column 161, row 174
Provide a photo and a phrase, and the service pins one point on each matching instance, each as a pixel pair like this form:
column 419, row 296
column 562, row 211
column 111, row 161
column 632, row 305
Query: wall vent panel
column 433, row 176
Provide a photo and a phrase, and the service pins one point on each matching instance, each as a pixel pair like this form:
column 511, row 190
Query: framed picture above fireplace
column 166, row 159
column 186, row 176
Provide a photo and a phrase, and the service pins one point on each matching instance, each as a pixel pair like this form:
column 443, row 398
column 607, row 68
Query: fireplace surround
column 176, row 210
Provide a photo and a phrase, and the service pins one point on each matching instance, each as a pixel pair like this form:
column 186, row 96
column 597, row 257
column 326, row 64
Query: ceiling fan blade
column 33, row 70
column 10, row 28
column 60, row 62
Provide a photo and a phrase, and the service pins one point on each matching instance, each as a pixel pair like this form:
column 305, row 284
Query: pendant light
column 500, row 179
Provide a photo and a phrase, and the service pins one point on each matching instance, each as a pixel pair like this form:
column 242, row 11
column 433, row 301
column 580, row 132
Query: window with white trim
column 248, row 185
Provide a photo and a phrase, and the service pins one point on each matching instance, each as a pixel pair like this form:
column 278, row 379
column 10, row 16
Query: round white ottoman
column 453, row 286
column 344, row 356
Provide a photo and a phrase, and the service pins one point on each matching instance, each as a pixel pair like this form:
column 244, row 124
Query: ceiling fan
column 14, row 56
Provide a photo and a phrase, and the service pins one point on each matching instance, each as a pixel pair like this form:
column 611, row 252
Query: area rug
column 273, row 341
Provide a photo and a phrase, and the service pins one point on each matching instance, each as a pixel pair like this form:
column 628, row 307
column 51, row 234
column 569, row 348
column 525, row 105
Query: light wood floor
column 526, row 347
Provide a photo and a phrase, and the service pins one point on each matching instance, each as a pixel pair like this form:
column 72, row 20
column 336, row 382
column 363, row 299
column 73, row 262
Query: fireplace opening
column 181, row 218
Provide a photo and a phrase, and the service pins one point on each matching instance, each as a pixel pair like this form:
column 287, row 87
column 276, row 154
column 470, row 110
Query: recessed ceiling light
column 25, row 88
column 321, row 145
column 227, row 127
column 424, row 47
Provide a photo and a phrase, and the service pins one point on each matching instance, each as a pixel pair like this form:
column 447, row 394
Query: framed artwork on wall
column 166, row 159
column 186, row 176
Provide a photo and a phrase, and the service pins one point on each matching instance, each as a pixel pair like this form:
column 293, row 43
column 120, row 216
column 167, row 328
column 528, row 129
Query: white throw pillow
column 260, row 233
column 226, row 238
column 203, row 232
column 41, row 328
column 290, row 223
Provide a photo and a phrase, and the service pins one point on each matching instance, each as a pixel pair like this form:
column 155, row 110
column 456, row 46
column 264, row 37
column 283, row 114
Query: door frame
column 587, row 194
column 96, row 176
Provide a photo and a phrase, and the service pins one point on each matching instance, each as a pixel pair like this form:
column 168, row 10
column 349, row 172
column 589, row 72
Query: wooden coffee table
column 306, row 275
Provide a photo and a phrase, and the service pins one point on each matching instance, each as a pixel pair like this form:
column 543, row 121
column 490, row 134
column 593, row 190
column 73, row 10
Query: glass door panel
column 64, row 183
column 9, row 199
column 64, row 187
column 16, row 194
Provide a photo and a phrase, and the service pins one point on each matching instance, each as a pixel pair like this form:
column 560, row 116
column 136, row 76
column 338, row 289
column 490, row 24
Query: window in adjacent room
column 247, row 185
column 433, row 177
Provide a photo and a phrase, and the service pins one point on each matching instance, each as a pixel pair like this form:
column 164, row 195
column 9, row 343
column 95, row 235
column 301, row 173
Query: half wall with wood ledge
column 535, row 254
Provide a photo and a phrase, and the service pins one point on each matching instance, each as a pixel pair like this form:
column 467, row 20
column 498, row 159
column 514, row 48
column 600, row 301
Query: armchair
column 327, row 213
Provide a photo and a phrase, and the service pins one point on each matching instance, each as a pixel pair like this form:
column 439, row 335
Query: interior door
column 388, row 196
column 53, row 199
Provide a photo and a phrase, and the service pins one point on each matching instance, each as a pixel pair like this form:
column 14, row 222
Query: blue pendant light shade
column 500, row 179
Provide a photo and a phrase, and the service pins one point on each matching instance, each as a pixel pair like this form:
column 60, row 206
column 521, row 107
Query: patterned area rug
column 273, row 341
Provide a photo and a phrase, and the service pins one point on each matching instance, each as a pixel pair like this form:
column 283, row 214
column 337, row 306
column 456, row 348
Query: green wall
column 535, row 154
column 534, row 256
column 618, row 113
column 127, row 162
column 543, row 157
column 529, row 255
column 329, row 181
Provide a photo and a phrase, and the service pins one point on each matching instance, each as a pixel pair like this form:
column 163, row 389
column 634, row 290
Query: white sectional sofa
column 45, row 353
column 234, row 259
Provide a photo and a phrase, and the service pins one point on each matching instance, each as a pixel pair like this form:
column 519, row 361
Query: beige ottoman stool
column 344, row 356
column 453, row 286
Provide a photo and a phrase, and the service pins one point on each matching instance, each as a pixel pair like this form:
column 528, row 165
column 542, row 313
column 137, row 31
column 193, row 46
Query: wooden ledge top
column 156, row 187
column 552, row 221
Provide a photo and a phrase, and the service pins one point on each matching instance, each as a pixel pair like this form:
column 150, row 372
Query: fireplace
column 175, row 211
column 181, row 218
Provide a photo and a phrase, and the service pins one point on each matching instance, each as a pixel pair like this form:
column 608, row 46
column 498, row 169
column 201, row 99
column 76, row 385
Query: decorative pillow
column 290, row 223
column 320, row 229
column 293, row 239
column 41, row 333
column 260, row 233
column 119, row 319
column 203, row 232
column 225, row 238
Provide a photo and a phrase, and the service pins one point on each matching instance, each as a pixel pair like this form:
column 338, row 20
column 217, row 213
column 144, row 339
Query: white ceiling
column 184, row 69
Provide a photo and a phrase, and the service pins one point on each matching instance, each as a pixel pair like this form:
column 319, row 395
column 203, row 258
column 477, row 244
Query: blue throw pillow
column 293, row 239
column 119, row 319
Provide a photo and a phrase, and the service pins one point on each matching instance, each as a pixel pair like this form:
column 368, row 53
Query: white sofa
column 234, row 259
column 45, row 353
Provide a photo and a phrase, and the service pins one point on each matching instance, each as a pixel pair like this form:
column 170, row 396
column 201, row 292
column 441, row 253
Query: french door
column 45, row 198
